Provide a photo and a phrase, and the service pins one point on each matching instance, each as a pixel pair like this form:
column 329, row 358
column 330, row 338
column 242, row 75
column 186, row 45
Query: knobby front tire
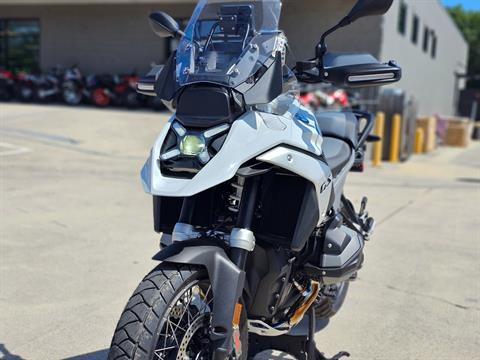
column 167, row 316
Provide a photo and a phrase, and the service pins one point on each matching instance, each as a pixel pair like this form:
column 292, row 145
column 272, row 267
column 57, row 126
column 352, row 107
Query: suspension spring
column 235, row 198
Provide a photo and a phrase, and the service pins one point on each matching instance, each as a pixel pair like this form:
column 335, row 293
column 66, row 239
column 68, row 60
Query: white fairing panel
column 252, row 135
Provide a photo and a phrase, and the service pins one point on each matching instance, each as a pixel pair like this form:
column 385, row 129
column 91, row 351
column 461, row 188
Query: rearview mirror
column 368, row 8
column 164, row 25
column 362, row 8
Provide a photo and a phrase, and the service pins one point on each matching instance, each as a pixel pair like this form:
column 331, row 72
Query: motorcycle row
column 71, row 87
column 329, row 98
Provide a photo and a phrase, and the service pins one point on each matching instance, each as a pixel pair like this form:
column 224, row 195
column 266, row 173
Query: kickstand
column 313, row 353
column 312, row 347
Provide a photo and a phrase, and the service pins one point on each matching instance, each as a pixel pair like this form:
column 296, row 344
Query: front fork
column 242, row 242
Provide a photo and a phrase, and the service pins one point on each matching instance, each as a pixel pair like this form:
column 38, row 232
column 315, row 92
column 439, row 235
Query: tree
column 469, row 24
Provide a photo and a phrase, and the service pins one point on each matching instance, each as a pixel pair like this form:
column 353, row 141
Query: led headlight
column 192, row 145
column 185, row 151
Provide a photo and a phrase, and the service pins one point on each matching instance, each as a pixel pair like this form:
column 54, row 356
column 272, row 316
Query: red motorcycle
column 106, row 90
column 325, row 99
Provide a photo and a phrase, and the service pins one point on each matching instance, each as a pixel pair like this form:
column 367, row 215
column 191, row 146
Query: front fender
column 226, row 278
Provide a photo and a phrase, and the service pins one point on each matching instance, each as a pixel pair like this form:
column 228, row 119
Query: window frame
column 434, row 46
column 426, row 39
column 402, row 18
column 7, row 21
column 415, row 29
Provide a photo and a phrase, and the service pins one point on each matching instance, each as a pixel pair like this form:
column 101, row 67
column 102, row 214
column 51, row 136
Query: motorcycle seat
column 339, row 125
column 337, row 153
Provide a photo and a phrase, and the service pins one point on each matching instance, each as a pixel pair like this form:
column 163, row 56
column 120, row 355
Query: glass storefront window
column 19, row 44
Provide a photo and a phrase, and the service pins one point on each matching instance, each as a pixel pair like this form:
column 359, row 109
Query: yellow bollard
column 395, row 138
column 378, row 146
column 419, row 141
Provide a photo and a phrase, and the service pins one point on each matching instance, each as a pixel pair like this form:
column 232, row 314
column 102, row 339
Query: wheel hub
column 185, row 332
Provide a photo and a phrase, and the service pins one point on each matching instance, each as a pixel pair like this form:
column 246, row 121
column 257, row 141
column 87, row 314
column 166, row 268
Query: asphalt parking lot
column 76, row 237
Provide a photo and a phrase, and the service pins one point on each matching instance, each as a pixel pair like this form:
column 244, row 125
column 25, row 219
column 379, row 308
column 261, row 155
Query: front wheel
column 131, row 99
column 25, row 93
column 71, row 93
column 168, row 317
column 100, row 98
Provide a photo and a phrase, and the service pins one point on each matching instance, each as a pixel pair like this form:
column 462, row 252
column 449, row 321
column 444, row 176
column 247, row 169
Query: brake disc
column 195, row 326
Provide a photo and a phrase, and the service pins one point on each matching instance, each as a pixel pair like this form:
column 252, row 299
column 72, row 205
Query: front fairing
column 253, row 134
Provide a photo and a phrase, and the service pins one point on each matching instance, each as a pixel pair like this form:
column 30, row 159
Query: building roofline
column 451, row 19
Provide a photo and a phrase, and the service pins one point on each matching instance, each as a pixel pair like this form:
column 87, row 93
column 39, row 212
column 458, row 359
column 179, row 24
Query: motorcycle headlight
column 185, row 152
column 192, row 145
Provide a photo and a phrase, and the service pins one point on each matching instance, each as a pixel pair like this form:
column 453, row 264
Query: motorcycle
column 325, row 98
column 125, row 92
column 47, row 87
column 7, row 85
column 118, row 90
column 99, row 89
column 24, row 88
column 156, row 104
column 259, row 241
column 73, row 86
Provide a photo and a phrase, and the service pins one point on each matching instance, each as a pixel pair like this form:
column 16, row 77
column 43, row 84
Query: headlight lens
column 192, row 145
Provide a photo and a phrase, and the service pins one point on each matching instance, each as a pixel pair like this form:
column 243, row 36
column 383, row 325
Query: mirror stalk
column 322, row 45
column 164, row 25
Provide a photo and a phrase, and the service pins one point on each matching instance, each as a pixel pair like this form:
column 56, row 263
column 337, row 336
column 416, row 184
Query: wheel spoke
column 160, row 353
column 173, row 332
column 206, row 299
column 183, row 322
column 186, row 309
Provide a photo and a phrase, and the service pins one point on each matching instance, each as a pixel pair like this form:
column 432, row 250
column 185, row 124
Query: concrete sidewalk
column 76, row 236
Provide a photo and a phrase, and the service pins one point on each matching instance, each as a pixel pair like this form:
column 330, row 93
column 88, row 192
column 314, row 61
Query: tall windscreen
column 226, row 42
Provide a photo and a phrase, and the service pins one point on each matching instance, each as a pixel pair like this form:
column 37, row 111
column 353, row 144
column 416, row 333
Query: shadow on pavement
column 7, row 355
column 96, row 355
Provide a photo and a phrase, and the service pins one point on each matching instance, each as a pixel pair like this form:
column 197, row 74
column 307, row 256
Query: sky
column 467, row 4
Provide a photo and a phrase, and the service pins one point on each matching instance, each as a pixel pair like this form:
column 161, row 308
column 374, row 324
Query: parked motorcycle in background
column 126, row 94
column 73, row 86
column 47, row 86
column 99, row 89
column 24, row 87
column 118, row 90
column 248, row 184
column 324, row 97
column 156, row 104
column 7, row 84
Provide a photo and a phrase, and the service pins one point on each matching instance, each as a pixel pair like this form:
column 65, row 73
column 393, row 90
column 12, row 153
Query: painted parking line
column 11, row 150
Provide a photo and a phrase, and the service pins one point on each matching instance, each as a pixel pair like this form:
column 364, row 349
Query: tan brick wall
column 117, row 38
column 107, row 38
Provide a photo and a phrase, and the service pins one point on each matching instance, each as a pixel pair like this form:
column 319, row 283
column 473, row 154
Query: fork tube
column 247, row 204
column 245, row 218
column 239, row 257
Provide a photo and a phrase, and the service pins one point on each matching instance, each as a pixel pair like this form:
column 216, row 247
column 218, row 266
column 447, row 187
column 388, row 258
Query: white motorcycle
column 247, row 186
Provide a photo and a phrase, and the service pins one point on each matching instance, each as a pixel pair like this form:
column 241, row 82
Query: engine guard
column 227, row 284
